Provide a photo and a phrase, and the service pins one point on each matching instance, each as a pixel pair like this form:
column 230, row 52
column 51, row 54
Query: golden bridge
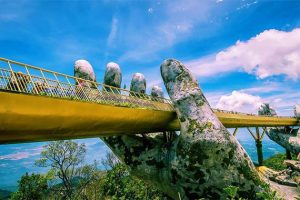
column 40, row 105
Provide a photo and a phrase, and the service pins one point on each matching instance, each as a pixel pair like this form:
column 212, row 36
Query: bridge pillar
column 258, row 141
column 288, row 154
column 259, row 150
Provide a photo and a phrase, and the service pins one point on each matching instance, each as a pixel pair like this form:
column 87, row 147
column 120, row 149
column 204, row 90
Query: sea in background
column 17, row 159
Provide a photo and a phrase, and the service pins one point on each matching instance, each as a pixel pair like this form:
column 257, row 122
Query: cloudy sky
column 243, row 52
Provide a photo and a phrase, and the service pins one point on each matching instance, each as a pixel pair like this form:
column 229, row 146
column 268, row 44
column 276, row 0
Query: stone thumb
column 191, row 106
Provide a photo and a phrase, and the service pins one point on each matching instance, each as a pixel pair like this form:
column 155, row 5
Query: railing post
column 46, row 82
column 61, row 87
column 70, row 86
column 14, row 76
column 31, row 80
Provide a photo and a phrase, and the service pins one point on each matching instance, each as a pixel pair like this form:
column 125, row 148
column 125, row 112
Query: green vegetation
column 5, row 194
column 231, row 191
column 276, row 162
column 66, row 162
column 69, row 178
column 31, row 187
column 118, row 184
column 265, row 194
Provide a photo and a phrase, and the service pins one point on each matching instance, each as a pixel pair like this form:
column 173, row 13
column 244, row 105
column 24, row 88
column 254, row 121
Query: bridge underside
column 29, row 118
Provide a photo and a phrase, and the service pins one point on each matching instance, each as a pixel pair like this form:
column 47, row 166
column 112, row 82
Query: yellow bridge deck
column 38, row 105
column 28, row 118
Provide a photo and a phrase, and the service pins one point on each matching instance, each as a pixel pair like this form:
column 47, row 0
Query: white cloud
column 26, row 153
column 213, row 97
column 248, row 100
column 113, row 32
column 18, row 156
column 284, row 102
column 265, row 88
column 247, row 5
column 270, row 53
column 239, row 101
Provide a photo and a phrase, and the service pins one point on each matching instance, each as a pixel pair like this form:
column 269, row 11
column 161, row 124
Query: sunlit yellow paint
column 26, row 118
column 231, row 120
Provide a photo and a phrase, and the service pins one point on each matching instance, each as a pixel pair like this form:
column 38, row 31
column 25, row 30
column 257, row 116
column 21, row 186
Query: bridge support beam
column 259, row 150
column 288, row 154
column 235, row 131
column 258, row 141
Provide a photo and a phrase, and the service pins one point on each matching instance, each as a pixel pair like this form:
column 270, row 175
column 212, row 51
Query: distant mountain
column 5, row 194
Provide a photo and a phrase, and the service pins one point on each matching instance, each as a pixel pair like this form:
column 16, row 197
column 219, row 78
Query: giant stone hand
column 287, row 137
column 199, row 162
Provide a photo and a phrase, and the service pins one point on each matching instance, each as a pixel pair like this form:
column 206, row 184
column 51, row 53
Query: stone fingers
column 157, row 91
column 113, row 75
column 122, row 146
column 138, row 83
column 84, row 70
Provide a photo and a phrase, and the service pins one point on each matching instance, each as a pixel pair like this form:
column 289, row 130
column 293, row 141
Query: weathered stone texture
column 294, row 164
column 113, row 75
column 84, row 70
column 289, row 176
column 266, row 110
column 286, row 137
column 138, row 83
column 157, row 91
column 199, row 162
column 289, row 138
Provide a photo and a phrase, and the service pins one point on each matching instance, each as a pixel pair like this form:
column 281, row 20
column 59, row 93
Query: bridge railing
column 28, row 79
column 23, row 78
column 248, row 114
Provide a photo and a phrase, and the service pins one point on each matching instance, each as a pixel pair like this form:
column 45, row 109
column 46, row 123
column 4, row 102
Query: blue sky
column 243, row 52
